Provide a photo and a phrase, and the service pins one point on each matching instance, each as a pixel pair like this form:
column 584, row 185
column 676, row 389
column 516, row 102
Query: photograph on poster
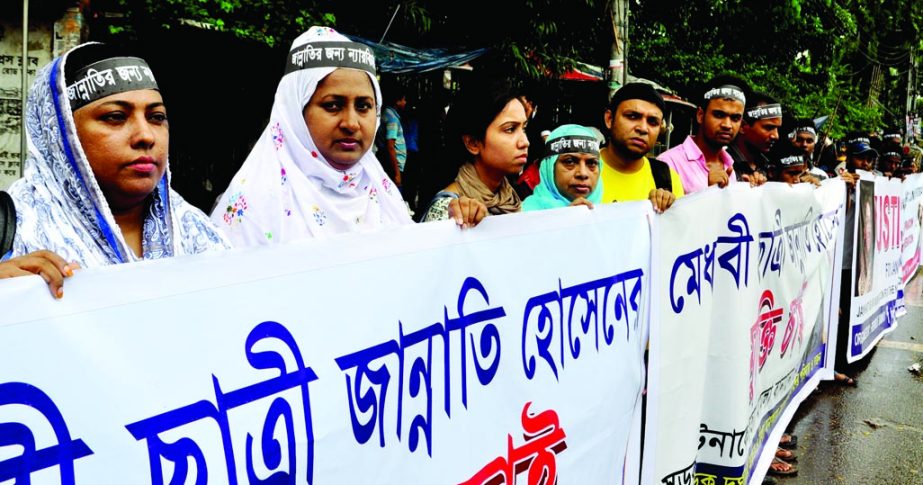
column 865, row 240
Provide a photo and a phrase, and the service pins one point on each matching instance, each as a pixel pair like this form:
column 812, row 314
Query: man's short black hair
column 759, row 98
column 642, row 91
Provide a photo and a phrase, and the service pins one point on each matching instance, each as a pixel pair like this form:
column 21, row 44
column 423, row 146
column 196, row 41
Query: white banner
column 423, row 354
column 877, row 272
column 748, row 302
column 911, row 214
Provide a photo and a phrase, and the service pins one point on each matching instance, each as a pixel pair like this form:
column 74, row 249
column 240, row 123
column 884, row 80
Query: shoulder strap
column 7, row 223
column 661, row 172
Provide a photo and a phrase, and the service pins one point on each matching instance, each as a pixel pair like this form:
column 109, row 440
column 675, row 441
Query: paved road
column 873, row 433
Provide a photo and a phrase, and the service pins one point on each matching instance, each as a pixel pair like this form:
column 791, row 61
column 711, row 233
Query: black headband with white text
column 792, row 161
column 331, row 54
column 107, row 77
column 764, row 112
column 572, row 144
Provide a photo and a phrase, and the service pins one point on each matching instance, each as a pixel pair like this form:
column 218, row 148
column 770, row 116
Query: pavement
column 871, row 433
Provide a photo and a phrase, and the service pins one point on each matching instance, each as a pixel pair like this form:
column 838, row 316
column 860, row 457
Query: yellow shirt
column 625, row 187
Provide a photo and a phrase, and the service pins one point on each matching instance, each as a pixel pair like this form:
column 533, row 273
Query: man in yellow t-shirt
column 634, row 119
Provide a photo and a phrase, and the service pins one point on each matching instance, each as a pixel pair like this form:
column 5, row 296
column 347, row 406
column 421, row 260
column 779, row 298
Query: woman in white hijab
column 312, row 173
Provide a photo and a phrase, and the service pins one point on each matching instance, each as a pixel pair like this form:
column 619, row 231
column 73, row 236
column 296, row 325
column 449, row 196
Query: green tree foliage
column 268, row 21
column 544, row 36
column 818, row 56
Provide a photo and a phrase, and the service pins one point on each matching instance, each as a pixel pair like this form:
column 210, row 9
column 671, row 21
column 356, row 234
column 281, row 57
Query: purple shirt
column 689, row 162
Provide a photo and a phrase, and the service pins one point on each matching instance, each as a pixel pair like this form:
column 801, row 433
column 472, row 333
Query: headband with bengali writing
column 727, row 91
column 791, row 161
column 107, row 77
column 572, row 144
column 331, row 54
column 765, row 111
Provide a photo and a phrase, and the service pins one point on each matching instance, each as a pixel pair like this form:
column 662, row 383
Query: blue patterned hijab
column 61, row 208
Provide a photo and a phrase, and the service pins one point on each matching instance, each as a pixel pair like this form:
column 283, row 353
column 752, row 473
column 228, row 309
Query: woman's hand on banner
column 51, row 267
column 467, row 212
column 581, row 201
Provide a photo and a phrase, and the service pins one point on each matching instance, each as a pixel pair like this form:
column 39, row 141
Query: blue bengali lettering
column 62, row 455
column 485, row 358
column 184, row 449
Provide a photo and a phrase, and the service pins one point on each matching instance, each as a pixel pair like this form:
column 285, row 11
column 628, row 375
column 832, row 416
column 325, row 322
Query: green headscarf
column 562, row 140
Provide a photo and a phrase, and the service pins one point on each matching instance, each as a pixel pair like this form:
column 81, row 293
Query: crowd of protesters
column 96, row 188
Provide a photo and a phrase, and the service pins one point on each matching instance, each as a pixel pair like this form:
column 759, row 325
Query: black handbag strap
column 7, row 223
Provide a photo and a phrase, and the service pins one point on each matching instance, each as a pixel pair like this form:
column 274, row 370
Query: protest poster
column 911, row 215
column 433, row 355
column 877, row 270
column 747, row 303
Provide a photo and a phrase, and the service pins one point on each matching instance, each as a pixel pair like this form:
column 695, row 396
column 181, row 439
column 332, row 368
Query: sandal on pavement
column 780, row 468
column 788, row 441
column 845, row 380
column 786, row 455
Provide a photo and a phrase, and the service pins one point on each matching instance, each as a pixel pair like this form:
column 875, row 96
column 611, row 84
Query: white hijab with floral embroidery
column 286, row 190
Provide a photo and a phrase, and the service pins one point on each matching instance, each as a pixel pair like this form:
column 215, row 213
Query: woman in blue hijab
column 96, row 186
column 569, row 172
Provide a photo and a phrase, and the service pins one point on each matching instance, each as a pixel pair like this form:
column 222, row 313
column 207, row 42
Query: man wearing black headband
column 701, row 160
column 758, row 132
column 634, row 119
column 891, row 153
column 805, row 136
column 893, row 136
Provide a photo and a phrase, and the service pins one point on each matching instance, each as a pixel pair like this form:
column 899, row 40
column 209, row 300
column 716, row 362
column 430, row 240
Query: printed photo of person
column 865, row 238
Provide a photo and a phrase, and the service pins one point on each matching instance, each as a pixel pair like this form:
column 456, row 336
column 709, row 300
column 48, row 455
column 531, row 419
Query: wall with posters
column 46, row 39
column 11, row 65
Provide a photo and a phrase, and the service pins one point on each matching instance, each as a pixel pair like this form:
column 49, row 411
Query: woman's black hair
column 474, row 109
